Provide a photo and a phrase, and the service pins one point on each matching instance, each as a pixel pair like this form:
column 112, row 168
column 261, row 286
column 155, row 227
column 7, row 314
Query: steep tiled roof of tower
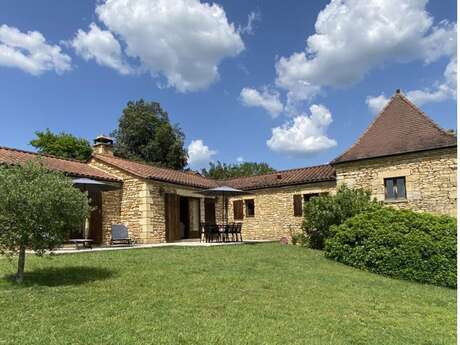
column 400, row 127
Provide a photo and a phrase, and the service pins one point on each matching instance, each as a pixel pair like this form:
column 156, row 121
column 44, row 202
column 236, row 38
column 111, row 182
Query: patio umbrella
column 89, row 184
column 224, row 192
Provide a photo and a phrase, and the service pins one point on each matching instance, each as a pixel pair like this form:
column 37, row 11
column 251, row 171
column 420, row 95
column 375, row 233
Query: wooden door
column 95, row 220
column 210, row 211
column 172, row 217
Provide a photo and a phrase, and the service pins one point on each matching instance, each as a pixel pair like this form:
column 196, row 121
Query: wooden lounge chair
column 120, row 235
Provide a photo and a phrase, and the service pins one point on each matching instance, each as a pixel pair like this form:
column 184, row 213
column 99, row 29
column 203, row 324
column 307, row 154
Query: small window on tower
column 395, row 188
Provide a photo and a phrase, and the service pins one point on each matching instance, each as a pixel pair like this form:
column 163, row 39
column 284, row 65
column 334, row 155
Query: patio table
column 84, row 242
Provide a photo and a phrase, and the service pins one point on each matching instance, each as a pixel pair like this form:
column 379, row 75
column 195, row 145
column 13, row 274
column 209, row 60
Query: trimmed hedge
column 398, row 243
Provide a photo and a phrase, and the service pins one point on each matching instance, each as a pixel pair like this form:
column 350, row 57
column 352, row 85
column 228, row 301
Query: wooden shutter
column 172, row 217
column 210, row 211
column 297, row 205
column 238, row 209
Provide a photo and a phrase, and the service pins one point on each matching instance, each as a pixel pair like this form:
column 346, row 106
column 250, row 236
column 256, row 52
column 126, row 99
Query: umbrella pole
column 223, row 209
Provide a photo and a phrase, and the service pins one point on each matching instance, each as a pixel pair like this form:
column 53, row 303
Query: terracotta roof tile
column 399, row 128
column 156, row 173
column 283, row 178
column 70, row 167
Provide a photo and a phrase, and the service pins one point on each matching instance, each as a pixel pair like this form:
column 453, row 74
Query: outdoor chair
column 230, row 232
column 120, row 235
column 225, row 233
column 204, row 232
column 214, row 233
column 238, row 235
column 208, row 232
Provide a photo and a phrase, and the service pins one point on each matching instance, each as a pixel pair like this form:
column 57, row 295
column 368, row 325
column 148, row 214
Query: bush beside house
column 398, row 243
column 323, row 211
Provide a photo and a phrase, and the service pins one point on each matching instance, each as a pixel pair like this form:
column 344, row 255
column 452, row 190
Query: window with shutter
column 297, row 205
column 238, row 209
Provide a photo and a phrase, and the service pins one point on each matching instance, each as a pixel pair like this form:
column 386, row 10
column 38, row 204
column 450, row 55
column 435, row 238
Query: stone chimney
column 103, row 145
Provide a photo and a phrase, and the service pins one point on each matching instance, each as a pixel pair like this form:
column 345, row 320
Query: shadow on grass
column 76, row 275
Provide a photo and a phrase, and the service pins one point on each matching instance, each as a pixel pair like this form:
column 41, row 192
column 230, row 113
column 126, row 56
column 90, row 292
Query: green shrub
column 321, row 212
column 300, row 239
column 401, row 244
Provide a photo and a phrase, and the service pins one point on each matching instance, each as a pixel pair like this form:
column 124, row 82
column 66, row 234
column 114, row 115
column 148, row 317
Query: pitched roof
column 283, row 178
column 68, row 166
column 400, row 127
column 276, row 179
column 156, row 173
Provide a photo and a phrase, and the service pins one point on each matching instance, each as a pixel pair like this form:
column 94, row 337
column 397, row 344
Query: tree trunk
column 21, row 263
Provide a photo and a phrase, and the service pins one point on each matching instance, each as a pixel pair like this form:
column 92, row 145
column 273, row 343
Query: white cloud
column 30, row 52
column 445, row 90
column 377, row 103
column 101, row 46
column 240, row 159
column 304, row 135
column 354, row 36
column 199, row 153
column 439, row 92
column 183, row 40
column 267, row 99
column 249, row 28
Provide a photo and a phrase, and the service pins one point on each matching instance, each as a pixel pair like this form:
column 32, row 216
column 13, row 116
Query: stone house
column 403, row 158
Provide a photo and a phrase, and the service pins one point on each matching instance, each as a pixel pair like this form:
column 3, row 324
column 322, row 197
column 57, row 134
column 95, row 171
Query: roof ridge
column 42, row 154
column 276, row 172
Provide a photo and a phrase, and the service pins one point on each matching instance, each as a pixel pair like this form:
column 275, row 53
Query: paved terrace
column 70, row 249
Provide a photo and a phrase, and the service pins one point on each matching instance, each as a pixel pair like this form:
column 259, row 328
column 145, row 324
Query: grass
column 252, row 294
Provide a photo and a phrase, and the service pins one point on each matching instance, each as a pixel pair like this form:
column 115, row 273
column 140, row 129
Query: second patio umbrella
column 224, row 192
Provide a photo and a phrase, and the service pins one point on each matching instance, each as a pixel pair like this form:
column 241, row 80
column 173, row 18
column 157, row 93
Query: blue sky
column 316, row 99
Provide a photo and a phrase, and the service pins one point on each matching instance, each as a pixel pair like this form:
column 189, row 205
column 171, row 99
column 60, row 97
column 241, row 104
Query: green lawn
column 251, row 294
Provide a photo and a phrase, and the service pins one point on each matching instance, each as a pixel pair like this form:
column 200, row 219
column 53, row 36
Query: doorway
column 184, row 218
column 95, row 220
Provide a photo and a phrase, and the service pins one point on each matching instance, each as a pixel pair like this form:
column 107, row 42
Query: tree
column 38, row 210
column 63, row 145
column 144, row 133
column 221, row 171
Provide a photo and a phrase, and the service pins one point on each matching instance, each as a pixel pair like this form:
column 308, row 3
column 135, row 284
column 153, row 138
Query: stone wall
column 274, row 210
column 137, row 207
column 111, row 210
column 140, row 205
column 152, row 207
column 431, row 179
